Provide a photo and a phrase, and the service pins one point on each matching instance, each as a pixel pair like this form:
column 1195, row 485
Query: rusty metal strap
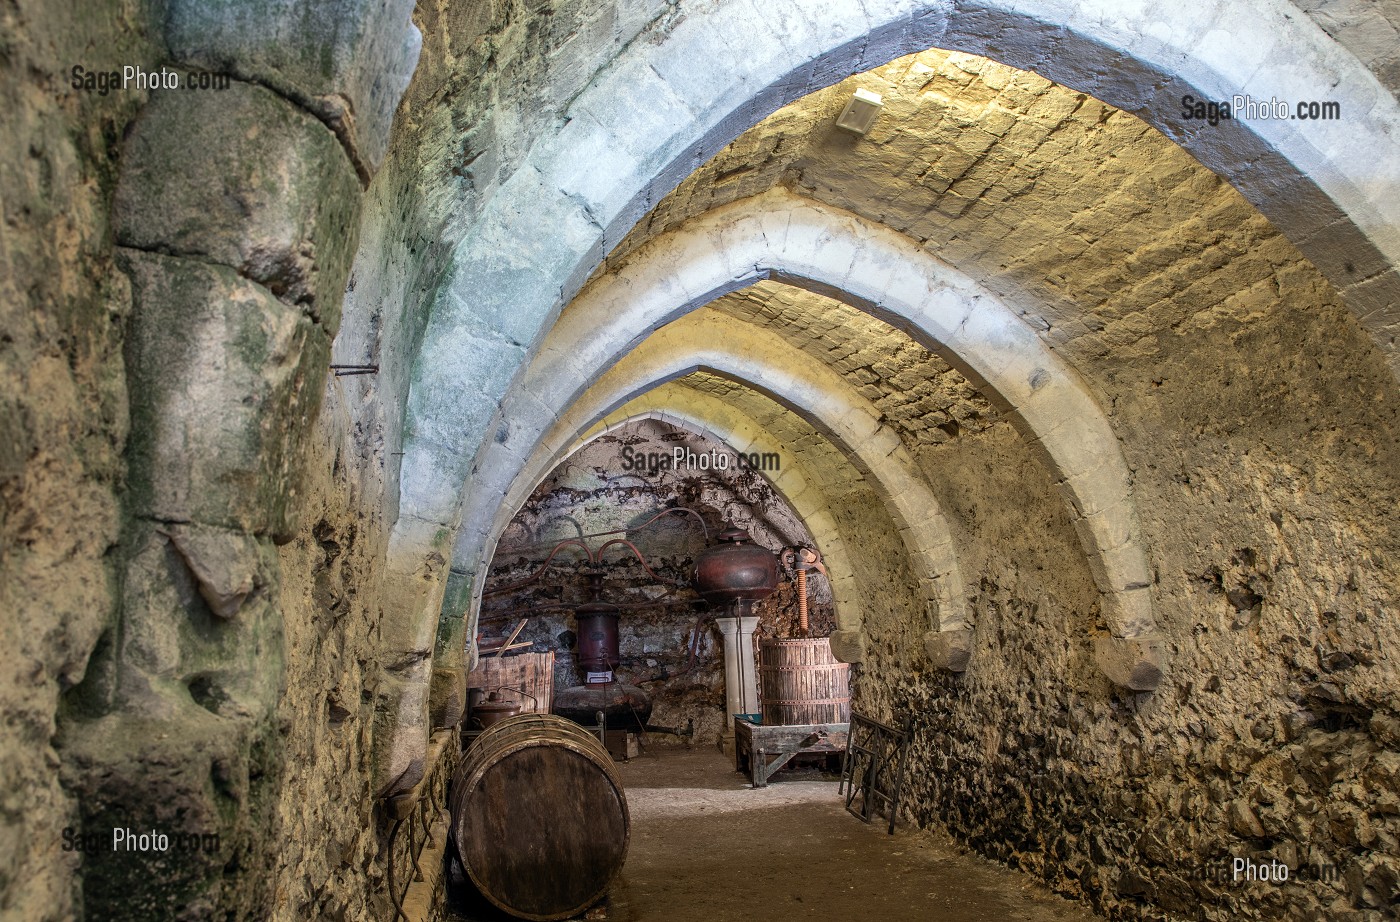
column 807, row 667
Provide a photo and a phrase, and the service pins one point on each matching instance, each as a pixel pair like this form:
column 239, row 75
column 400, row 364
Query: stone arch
column 763, row 361
column 706, row 414
column 778, row 235
column 667, row 104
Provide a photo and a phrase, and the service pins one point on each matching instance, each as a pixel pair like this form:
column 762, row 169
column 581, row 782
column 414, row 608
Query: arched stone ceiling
column 785, row 427
column 926, row 400
column 814, row 393
column 827, row 250
column 652, row 100
column 505, row 282
column 748, row 422
column 1097, row 228
column 488, row 78
column 663, row 105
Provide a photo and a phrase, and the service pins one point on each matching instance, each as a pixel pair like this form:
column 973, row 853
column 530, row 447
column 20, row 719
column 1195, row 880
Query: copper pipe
column 641, row 560
column 544, row 566
column 596, row 557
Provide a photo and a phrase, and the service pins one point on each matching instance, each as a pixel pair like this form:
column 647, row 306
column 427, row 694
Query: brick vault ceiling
column 1105, row 235
column 926, row 401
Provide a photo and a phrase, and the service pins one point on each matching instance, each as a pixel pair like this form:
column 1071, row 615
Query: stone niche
column 608, row 486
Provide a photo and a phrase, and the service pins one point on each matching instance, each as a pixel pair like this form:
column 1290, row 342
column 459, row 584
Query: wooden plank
column 783, row 737
column 743, row 745
column 487, row 651
column 763, row 769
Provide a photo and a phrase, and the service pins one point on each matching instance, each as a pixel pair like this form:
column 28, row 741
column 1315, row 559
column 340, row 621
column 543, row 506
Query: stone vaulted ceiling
column 1100, row 230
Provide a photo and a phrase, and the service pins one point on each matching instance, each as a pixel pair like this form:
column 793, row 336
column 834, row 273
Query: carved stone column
column 740, row 677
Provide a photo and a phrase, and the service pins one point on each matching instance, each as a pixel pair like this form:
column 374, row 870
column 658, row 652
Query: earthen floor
column 707, row 848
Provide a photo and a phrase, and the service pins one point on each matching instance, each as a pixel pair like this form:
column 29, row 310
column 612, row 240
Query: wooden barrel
column 539, row 818
column 800, row 682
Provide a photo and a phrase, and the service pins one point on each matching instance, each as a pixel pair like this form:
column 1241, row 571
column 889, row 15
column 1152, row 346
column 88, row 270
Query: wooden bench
column 760, row 751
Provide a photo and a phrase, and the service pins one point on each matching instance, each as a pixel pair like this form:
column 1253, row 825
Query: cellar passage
column 1085, row 404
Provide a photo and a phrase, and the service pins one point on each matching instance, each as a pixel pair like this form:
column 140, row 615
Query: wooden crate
column 532, row 673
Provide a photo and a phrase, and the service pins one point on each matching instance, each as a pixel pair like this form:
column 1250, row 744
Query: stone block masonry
column 205, row 631
column 236, row 215
column 63, row 416
column 264, row 188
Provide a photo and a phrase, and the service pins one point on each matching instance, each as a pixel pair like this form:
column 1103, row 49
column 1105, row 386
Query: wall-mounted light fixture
column 860, row 112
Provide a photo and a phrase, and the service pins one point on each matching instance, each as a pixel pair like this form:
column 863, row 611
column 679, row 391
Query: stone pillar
column 236, row 217
column 740, row 678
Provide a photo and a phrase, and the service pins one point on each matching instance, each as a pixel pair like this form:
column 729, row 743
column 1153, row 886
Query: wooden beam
column 487, row 651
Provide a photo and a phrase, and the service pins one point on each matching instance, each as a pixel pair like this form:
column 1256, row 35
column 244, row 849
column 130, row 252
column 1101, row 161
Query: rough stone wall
column 1262, row 444
column 591, row 492
column 182, row 271
column 330, row 864
column 1078, row 214
column 63, row 412
column 927, row 401
column 1264, row 480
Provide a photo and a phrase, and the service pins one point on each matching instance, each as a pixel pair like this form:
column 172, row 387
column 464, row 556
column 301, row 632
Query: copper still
column 623, row 706
column 736, row 572
column 492, row 711
column 598, row 651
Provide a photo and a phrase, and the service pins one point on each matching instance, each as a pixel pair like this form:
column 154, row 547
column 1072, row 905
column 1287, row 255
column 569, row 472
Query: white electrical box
column 860, row 112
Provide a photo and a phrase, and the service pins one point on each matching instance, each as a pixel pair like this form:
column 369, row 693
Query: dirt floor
column 708, row 848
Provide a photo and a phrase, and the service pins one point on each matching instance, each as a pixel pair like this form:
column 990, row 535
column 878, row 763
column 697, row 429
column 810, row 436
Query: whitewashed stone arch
column 778, row 235
column 765, row 362
column 669, row 102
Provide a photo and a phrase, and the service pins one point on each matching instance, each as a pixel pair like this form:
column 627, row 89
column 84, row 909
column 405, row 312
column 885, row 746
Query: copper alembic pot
column 735, row 573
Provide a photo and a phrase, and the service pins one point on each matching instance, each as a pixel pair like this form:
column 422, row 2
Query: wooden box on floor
column 622, row 744
column 760, row 750
column 530, row 673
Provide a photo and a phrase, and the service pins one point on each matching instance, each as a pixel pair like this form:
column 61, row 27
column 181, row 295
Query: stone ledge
column 950, row 650
column 1135, row 663
column 849, row 646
